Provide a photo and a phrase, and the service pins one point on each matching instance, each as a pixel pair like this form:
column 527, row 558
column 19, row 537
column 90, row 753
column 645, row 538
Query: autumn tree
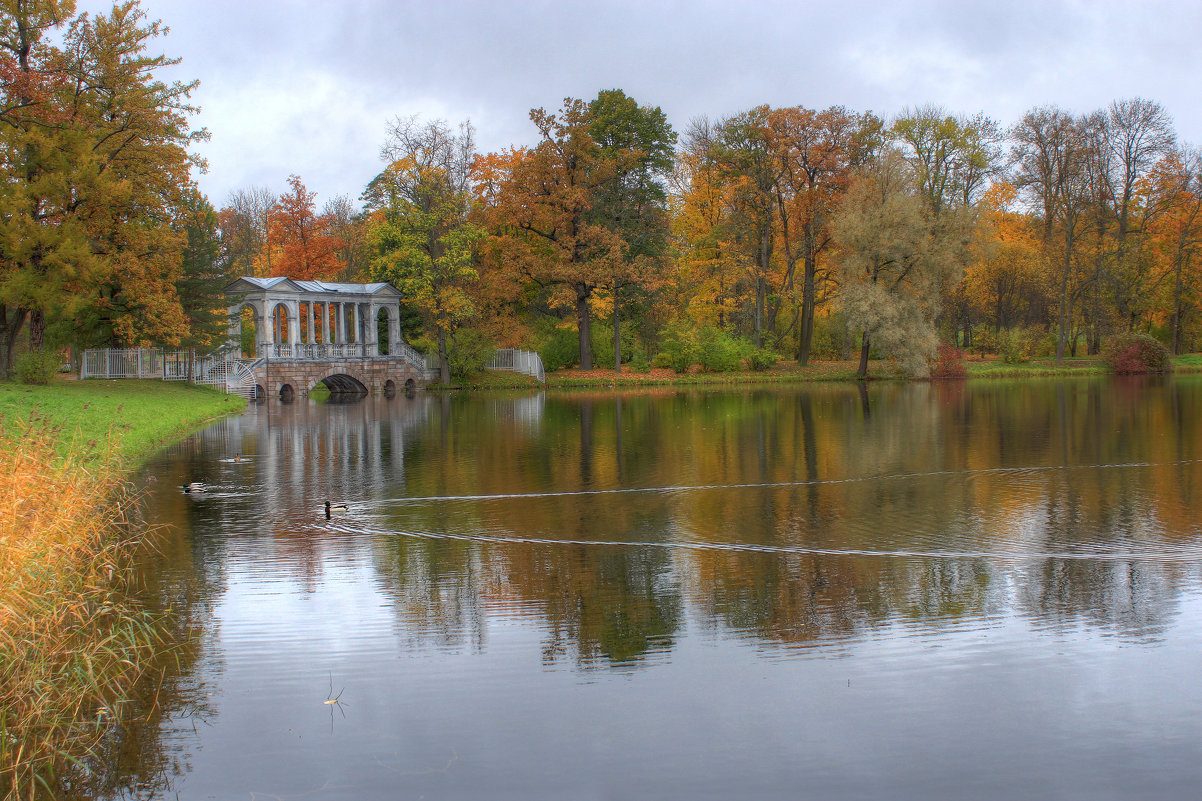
column 348, row 225
column 815, row 153
column 540, row 204
column 422, row 240
column 205, row 271
column 1134, row 135
column 706, row 286
column 244, row 222
column 306, row 250
column 1005, row 282
column 1176, row 238
column 1052, row 151
column 96, row 167
column 749, row 167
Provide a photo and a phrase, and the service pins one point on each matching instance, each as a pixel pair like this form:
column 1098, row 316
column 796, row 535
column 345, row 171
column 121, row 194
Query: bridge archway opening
column 390, row 389
column 279, row 322
column 410, row 387
column 342, row 384
column 287, row 394
column 248, row 330
column 260, row 393
column 382, row 333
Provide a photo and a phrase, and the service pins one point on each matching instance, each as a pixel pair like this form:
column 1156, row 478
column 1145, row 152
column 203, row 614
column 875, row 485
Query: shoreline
column 75, row 643
column 789, row 373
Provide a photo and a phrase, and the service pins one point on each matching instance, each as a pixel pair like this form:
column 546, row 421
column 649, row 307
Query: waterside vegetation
column 76, row 646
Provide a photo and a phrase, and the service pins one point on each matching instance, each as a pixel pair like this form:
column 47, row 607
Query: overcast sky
column 309, row 87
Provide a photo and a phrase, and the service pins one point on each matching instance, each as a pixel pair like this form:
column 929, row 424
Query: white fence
column 136, row 363
column 220, row 371
column 518, row 361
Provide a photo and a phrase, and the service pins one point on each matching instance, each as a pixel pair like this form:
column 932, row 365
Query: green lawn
column 130, row 417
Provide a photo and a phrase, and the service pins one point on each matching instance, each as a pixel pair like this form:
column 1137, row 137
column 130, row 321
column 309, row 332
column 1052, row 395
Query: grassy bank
column 74, row 649
column 788, row 372
column 129, row 418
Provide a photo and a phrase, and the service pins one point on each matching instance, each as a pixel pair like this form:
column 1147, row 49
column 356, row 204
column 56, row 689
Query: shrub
column 561, row 349
column 718, row 351
column 762, row 358
column 38, row 366
column 678, row 347
column 1138, row 353
column 640, row 362
column 603, row 343
column 948, row 362
column 1013, row 347
column 832, row 339
column 468, row 351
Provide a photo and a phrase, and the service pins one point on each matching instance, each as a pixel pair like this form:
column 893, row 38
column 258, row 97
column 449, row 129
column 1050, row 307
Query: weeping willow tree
column 895, row 257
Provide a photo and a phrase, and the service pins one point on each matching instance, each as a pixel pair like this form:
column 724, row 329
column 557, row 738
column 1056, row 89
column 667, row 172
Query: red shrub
column 948, row 362
column 1139, row 353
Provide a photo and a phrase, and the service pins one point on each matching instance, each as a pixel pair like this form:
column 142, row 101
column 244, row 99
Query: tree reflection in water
column 813, row 518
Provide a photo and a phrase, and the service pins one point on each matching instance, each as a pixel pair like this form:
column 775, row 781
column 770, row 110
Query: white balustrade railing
column 223, row 368
column 519, row 361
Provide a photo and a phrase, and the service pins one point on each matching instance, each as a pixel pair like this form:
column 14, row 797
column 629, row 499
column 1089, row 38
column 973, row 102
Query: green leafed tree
column 420, row 234
column 636, row 146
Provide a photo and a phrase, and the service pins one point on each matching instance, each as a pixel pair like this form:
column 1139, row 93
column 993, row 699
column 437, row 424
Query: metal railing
column 219, row 370
column 512, row 359
column 136, row 363
column 519, row 361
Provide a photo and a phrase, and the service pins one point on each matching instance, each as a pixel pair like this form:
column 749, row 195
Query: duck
column 330, row 506
column 195, row 486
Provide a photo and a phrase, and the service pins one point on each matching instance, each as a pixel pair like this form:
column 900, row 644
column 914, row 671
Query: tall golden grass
column 73, row 648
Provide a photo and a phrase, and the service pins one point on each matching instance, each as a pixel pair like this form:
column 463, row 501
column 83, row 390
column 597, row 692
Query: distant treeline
column 800, row 233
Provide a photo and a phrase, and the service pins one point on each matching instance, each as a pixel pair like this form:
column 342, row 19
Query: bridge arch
column 344, row 384
column 247, row 326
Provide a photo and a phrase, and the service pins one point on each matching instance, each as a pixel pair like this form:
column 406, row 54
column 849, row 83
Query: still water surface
column 920, row 591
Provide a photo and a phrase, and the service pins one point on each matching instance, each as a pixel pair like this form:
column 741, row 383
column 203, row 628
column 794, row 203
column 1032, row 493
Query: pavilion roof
column 316, row 287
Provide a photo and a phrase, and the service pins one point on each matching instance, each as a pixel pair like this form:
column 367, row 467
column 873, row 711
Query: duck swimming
column 330, row 506
column 195, row 486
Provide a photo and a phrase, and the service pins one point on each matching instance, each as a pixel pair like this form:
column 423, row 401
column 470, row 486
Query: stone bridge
column 286, row 378
column 345, row 336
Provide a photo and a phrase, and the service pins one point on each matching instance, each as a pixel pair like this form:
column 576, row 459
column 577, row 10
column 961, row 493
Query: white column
column 394, row 329
column 234, row 331
column 293, row 323
column 373, row 336
column 311, row 333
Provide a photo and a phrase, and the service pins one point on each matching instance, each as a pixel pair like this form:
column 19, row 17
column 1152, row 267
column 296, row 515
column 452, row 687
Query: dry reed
column 73, row 648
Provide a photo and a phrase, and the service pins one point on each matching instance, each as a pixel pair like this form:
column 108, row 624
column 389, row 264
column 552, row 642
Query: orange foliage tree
column 302, row 248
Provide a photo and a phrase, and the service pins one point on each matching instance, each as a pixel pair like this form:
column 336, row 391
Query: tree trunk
column 808, row 301
column 444, row 365
column 1062, row 318
column 1177, row 306
column 37, row 329
column 862, row 370
column 617, row 332
column 583, row 325
column 10, row 329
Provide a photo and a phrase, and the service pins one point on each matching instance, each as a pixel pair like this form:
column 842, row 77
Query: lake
column 899, row 591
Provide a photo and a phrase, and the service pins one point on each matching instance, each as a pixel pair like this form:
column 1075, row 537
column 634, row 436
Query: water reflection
column 616, row 534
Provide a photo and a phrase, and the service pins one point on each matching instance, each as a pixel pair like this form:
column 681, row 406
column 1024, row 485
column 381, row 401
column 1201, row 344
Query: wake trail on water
column 670, row 489
column 1174, row 556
